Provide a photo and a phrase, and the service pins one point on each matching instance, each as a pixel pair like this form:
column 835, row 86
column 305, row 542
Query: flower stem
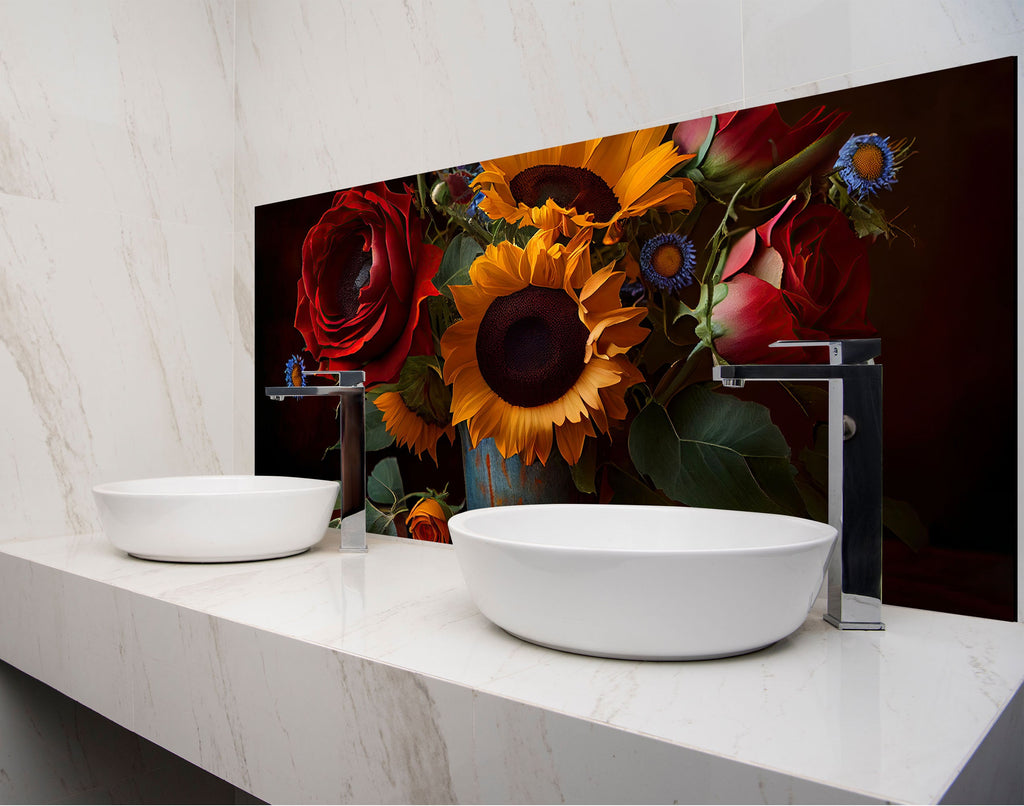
column 421, row 191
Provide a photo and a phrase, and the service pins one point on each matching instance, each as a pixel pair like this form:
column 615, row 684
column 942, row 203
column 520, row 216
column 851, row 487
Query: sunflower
column 539, row 355
column 410, row 428
column 593, row 184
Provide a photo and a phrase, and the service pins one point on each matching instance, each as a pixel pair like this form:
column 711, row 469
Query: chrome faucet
column 854, row 468
column 351, row 447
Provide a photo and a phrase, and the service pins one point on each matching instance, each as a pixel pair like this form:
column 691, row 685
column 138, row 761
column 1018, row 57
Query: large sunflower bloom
column 539, row 354
column 410, row 428
column 593, row 184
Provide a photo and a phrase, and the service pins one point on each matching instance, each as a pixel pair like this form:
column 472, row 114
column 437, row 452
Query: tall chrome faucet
column 854, row 469
column 351, row 447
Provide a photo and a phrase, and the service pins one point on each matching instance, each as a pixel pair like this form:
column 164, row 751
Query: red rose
column 365, row 273
column 802, row 275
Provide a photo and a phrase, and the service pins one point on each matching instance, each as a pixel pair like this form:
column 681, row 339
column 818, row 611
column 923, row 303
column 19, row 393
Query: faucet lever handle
column 840, row 351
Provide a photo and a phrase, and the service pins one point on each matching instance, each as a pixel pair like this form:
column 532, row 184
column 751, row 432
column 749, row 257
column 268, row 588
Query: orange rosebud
column 427, row 521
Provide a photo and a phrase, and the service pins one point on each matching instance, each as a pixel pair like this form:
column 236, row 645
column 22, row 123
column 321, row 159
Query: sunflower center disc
column 568, row 187
column 531, row 345
column 868, row 161
column 347, row 271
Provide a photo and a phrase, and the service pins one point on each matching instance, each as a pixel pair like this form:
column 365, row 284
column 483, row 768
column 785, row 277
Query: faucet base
column 853, row 625
column 352, row 533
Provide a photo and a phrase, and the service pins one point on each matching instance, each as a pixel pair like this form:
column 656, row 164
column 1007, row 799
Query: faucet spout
column 854, row 469
column 351, row 447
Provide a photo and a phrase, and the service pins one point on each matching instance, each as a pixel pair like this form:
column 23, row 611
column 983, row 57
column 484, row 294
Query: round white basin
column 645, row 583
column 209, row 519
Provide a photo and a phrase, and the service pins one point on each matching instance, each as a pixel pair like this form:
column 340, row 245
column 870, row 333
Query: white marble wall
column 333, row 94
column 116, row 313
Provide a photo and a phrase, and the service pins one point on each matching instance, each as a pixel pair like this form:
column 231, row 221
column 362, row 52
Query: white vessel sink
column 645, row 583
column 210, row 519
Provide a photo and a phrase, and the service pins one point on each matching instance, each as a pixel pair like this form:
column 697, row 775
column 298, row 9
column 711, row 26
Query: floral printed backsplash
column 542, row 327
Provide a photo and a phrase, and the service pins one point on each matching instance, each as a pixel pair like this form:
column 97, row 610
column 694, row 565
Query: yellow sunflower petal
column 642, row 175
column 601, row 290
column 611, row 157
column 629, row 165
column 616, row 334
column 570, row 442
column 646, row 140
column 493, row 272
column 409, row 429
column 615, row 154
column 671, row 195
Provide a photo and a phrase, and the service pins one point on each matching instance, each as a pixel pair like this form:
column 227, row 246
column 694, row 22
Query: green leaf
column 454, row 268
column 695, row 175
column 379, row 523
column 677, row 310
column 682, row 373
column 423, row 390
column 867, row 220
column 713, row 450
column 706, row 145
column 385, row 483
column 814, row 501
column 522, row 236
column 377, row 436
column 443, row 312
column 902, row 520
column 626, row 489
column 658, row 351
column 815, row 458
column 681, row 321
column 584, row 472
column 504, row 231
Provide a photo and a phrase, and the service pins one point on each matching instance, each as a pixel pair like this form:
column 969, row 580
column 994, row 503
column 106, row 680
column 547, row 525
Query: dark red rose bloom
column 365, row 275
column 802, row 275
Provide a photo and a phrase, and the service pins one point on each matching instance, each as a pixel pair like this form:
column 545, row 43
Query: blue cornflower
column 293, row 372
column 473, row 210
column 667, row 262
column 866, row 164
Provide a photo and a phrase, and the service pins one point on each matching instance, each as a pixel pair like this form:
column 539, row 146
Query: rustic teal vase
column 493, row 481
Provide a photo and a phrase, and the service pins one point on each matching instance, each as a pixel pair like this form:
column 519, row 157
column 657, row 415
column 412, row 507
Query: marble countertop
column 330, row 677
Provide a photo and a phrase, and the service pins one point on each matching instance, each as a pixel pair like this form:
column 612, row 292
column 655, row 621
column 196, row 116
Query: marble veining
column 101, row 109
column 116, row 218
column 186, row 115
column 411, row 694
column 114, row 374
column 94, row 762
column 31, row 343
